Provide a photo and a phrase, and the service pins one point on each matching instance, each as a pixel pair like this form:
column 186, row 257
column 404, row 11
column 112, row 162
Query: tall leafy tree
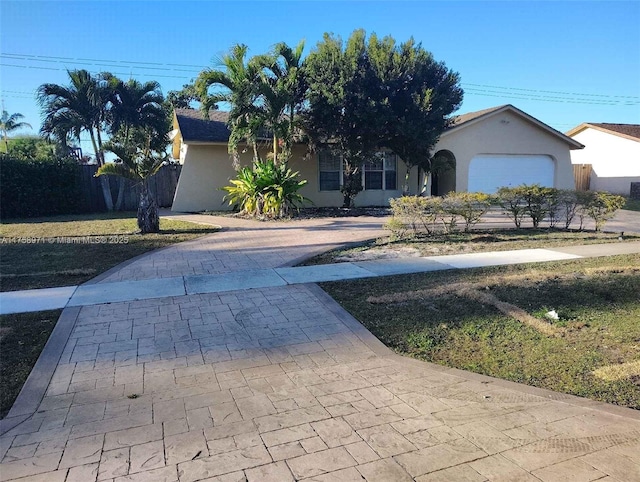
column 183, row 98
column 372, row 94
column 135, row 104
column 342, row 113
column 263, row 93
column 82, row 106
column 34, row 148
column 10, row 123
column 416, row 97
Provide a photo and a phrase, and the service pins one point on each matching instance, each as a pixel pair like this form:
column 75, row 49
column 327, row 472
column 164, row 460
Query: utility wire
column 168, row 66
column 473, row 89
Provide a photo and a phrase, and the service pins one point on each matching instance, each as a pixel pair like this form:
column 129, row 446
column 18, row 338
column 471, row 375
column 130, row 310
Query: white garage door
column 488, row 173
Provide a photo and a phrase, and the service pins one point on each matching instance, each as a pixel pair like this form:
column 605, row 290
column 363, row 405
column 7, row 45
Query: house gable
column 466, row 120
column 626, row 131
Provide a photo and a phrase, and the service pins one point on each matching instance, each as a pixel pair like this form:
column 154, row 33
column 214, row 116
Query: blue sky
column 562, row 62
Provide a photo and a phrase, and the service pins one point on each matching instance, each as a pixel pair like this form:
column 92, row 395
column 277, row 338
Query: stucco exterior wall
column 615, row 160
column 505, row 133
column 207, row 168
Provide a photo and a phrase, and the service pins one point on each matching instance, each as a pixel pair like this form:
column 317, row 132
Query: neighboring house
column 501, row 146
column 613, row 150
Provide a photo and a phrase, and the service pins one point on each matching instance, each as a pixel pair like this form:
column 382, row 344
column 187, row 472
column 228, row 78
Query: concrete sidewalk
column 120, row 291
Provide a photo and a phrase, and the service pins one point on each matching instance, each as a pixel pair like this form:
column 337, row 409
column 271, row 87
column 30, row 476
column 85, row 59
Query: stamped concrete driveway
column 245, row 244
column 281, row 384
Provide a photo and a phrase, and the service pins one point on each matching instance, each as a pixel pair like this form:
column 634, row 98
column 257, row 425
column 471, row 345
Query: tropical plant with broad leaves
column 10, row 123
column 266, row 189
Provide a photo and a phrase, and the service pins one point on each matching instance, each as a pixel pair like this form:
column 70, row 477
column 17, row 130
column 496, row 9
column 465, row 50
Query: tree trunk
column 148, row 219
column 104, row 181
column 275, row 150
column 347, row 201
column 405, row 186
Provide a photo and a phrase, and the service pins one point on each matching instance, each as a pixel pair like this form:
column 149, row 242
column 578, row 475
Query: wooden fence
column 162, row 185
column 582, row 176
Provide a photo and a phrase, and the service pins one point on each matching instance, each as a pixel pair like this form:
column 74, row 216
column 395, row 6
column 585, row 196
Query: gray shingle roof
column 194, row 127
column 469, row 116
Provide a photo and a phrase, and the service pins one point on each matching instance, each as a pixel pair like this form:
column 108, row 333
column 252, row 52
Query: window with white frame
column 380, row 173
column 377, row 174
column 330, row 170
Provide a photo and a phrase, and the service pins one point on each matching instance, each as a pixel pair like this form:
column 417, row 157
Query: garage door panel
column 488, row 173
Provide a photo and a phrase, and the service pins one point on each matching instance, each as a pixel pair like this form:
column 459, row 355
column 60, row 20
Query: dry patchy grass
column 492, row 321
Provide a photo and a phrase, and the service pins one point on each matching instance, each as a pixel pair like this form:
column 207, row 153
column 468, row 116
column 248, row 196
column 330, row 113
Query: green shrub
column 538, row 200
column 566, row 206
column 532, row 200
column 38, row 188
column 511, row 200
column 268, row 189
column 600, row 206
column 470, row 206
column 415, row 213
column 398, row 228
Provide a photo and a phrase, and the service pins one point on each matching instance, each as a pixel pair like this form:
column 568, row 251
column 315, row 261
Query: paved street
column 279, row 383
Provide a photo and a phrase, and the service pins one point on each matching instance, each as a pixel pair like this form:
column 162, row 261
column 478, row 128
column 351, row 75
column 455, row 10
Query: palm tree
column 80, row 107
column 236, row 84
column 135, row 105
column 138, row 161
column 282, row 89
column 10, row 123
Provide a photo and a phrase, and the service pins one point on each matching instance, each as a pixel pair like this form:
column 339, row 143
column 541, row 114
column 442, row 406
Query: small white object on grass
column 552, row 315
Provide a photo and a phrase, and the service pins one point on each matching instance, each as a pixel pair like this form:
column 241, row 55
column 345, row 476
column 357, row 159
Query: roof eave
column 584, row 126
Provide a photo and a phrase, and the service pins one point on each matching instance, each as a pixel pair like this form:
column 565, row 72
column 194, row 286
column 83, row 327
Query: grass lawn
column 492, row 321
column 22, row 337
column 48, row 261
column 460, row 242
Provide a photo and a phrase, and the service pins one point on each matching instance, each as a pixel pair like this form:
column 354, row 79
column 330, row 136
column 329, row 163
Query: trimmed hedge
column 38, row 188
column 413, row 215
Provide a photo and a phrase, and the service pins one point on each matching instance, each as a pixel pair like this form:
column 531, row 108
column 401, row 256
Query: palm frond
column 117, row 169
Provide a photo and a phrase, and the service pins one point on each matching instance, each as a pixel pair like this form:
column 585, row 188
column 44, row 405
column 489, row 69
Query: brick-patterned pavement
column 281, row 384
column 246, row 244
